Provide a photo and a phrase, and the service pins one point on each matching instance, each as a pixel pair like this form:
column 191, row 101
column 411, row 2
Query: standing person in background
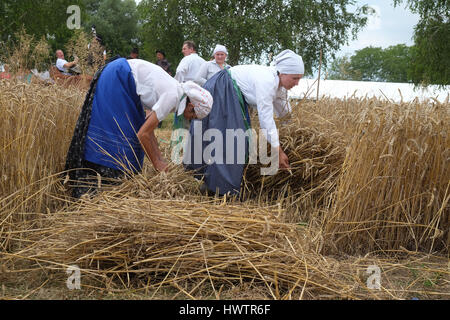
column 162, row 61
column 134, row 54
column 210, row 68
column 188, row 67
column 186, row 71
column 5, row 74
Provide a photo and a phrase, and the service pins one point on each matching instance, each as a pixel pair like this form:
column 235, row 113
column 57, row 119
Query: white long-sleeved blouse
column 206, row 71
column 157, row 90
column 260, row 86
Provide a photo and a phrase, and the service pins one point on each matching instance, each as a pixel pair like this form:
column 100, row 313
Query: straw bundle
column 315, row 155
column 138, row 242
column 315, row 166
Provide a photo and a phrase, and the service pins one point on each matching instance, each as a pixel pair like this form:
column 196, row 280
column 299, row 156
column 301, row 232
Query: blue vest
column 117, row 115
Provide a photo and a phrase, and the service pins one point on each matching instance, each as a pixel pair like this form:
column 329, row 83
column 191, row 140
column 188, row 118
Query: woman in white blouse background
column 210, row 68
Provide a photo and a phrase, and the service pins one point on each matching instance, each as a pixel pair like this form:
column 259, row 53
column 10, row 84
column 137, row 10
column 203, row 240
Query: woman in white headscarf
column 112, row 134
column 265, row 88
column 210, row 68
column 262, row 87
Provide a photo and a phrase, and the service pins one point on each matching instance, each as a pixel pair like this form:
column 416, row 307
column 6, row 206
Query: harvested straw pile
column 138, row 242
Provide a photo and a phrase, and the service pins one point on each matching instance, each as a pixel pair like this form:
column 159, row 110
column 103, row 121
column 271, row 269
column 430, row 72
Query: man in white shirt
column 62, row 64
column 188, row 67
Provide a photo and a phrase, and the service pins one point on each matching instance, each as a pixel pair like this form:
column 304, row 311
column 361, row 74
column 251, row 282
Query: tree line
column 392, row 64
column 252, row 30
column 426, row 62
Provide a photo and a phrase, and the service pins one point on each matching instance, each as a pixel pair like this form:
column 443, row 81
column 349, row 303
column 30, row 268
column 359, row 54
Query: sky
column 390, row 26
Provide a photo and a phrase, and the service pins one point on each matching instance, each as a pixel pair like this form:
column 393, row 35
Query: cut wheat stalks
column 172, row 241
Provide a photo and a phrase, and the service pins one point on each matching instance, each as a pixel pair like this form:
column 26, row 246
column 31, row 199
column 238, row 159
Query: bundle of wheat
column 315, row 155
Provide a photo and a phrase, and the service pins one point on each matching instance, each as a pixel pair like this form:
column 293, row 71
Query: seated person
column 5, row 74
column 62, row 64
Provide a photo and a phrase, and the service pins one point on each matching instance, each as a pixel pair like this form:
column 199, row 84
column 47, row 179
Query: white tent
column 359, row 89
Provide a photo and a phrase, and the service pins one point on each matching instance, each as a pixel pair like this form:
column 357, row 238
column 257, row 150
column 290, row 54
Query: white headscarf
column 288, row 62
column 199, row 97
column 220, row 48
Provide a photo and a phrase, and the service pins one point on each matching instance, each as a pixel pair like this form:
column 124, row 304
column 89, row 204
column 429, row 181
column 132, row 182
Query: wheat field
column 369, row 185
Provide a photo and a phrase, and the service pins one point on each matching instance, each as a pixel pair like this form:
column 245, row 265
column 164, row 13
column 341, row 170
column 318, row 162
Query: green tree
column 40, row 18
column 116, row 21
column 366, row 64
column 374, row 64
column 396, row 63
column 340, row 69
column 252, row 30
column 430, row 57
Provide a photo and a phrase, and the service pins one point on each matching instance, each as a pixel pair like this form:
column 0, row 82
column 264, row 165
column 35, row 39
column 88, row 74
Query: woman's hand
column 161, row 165
column 283, row 160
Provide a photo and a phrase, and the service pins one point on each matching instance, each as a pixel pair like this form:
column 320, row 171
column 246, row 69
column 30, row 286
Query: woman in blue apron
column 112, row 134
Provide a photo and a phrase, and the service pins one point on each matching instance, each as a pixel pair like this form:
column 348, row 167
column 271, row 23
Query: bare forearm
column 148, row 141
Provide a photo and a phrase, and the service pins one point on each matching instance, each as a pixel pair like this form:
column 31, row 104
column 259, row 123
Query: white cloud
column 374, row 21
column 388, row 26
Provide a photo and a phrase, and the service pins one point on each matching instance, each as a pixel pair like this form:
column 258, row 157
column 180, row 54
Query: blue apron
column 229, row 111
column 117, row 116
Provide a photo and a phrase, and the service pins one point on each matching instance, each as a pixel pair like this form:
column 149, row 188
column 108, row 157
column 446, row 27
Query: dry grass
column 368, row 177
column 26, row 53
column 88, row 51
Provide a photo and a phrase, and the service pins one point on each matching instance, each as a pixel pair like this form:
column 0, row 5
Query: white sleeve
column 182, row 70
column 144, row 85
column 264, row 104
column 156, row 89
column 166, row 88
column 202, row 73
column 166, row 103
column 60, row 64
column 147, row 94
